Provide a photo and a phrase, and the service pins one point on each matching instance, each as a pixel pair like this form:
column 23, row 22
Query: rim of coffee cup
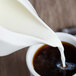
column 32, row 50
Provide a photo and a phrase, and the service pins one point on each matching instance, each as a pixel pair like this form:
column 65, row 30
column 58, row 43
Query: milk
column 21, row 20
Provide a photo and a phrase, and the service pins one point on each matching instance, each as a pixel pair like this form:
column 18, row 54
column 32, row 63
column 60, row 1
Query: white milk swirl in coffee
column 16, row 18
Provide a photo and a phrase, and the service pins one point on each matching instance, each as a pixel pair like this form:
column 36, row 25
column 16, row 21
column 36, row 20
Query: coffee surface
column 47, row 61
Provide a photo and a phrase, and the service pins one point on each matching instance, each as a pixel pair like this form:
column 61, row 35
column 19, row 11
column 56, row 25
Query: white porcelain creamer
column 20, row 26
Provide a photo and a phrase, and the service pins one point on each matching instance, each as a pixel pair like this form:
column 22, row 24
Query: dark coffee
column 47, row 61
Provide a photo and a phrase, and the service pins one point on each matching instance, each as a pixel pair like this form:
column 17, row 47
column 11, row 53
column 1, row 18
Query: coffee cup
column 32, row 50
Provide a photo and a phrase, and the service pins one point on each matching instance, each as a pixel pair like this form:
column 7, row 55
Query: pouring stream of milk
column 22, row 27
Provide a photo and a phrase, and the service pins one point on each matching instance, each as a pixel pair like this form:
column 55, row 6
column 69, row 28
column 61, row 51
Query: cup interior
column 32, row 50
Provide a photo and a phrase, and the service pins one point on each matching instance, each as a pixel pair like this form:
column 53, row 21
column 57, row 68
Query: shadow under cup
column 32, row 50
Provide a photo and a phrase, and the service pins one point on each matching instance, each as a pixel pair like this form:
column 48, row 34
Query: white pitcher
column 15, row 15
